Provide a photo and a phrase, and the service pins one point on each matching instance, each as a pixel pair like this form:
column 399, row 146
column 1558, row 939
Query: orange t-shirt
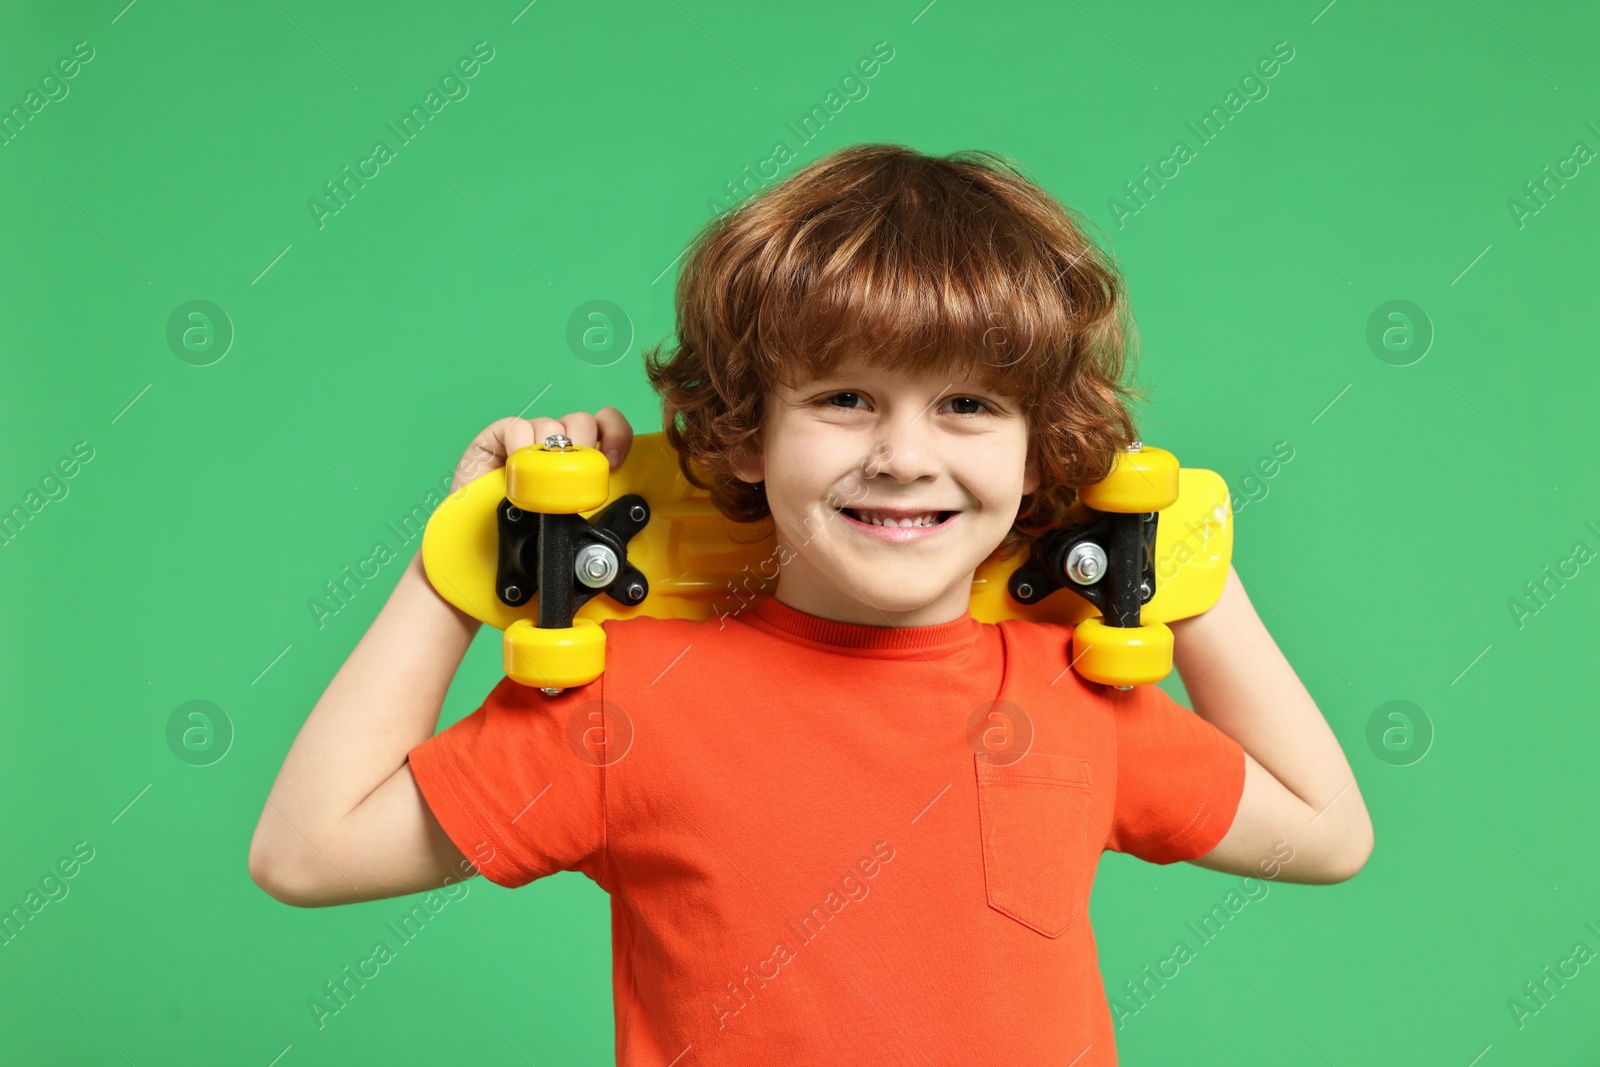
column 834, row 843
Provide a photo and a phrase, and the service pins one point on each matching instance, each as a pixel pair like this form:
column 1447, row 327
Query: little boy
column 843, row 822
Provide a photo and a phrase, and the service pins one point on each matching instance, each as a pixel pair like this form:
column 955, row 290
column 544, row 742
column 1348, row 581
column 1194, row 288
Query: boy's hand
column 607, row 429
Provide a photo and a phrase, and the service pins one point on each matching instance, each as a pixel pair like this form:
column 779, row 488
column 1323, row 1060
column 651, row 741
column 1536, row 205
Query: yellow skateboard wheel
column 1122, row 655
column 1146, row 480
column 557, row 481
column 555, row 657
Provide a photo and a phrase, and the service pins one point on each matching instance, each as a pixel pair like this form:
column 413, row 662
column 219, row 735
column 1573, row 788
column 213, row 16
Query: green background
column 219, row 499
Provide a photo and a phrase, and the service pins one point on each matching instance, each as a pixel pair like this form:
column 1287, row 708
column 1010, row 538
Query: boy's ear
column 1030, row 474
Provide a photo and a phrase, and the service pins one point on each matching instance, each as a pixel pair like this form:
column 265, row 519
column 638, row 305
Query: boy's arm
column 1298, row 786
column 345, row 820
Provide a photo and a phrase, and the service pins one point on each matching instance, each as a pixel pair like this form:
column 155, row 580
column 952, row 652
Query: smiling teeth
column 876, row 519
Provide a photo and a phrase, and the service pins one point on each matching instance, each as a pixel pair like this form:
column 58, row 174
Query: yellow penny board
column 700, row 565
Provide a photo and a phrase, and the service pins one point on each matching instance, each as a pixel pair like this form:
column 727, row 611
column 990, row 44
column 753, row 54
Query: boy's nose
column 906, row 451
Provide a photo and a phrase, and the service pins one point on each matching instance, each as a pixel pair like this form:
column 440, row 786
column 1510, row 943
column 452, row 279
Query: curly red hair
column 920, row 263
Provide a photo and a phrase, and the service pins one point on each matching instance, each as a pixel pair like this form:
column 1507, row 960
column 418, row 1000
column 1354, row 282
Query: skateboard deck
column 699, row 565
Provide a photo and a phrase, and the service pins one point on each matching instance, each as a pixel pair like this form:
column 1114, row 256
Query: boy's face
column 865, row 438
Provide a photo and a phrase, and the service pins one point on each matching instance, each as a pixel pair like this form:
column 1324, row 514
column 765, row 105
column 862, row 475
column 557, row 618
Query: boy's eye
column 967, row 400
column 979, row 405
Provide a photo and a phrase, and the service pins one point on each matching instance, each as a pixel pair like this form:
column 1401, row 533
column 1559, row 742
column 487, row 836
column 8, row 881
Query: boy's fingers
column 607, row 430
column 517, row 433
column 616, row 435
column 580, row 428
column 479, row 456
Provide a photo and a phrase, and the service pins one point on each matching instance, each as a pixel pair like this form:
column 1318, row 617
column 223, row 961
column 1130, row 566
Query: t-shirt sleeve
column 1179, row 778
column 515, row 785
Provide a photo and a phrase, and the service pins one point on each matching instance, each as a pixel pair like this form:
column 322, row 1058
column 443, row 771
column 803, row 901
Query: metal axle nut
column 1086, row 563
column 595, row 566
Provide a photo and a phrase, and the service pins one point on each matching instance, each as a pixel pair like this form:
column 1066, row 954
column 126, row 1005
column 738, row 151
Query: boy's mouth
column 898, row 517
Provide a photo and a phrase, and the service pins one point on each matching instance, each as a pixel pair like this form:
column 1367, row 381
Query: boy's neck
column 823, row 601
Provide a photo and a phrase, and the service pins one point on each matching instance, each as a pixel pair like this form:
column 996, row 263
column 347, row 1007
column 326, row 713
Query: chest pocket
column 1037, row 839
